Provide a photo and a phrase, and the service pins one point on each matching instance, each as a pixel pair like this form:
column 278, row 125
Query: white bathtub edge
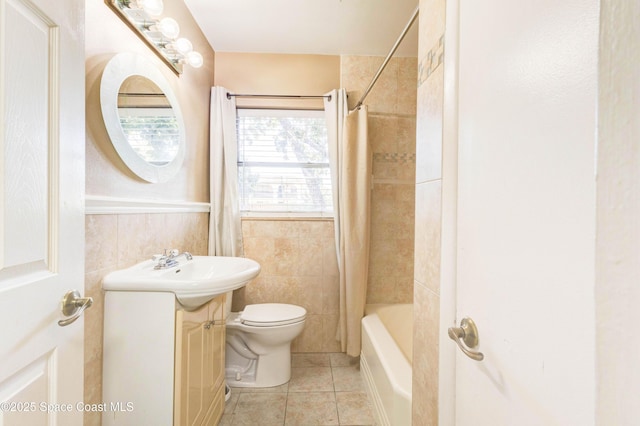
column 378, row 408
column 387, row 373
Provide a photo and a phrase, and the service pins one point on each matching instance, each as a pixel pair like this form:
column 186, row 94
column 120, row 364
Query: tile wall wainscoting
column 299, row 266
column 116, row 241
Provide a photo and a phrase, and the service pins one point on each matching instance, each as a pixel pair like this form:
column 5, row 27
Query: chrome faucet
column 174, row 254
column 167, row 261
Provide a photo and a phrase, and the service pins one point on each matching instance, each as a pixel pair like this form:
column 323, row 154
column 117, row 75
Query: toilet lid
column 272, row 314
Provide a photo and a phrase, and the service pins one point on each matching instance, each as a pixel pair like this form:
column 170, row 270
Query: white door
column 41, row 209
column 526, row 210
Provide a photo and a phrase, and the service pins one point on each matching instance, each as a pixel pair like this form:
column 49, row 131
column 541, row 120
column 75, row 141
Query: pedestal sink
column 194, row 282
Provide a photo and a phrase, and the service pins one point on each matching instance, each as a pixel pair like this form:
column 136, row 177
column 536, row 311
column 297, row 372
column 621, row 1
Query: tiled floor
column 325, row 389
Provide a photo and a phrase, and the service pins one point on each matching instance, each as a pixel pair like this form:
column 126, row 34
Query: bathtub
column 385, row 361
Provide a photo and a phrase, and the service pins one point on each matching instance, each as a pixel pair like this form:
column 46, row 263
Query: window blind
column 283, row 161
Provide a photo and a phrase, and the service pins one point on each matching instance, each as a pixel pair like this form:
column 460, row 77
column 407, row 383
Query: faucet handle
column 174, row 252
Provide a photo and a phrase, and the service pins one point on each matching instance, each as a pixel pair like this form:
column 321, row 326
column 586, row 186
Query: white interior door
column 526, row 210
column 41, row 209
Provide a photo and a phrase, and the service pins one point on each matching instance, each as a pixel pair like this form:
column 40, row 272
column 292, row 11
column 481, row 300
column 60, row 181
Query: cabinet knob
column 208, row 324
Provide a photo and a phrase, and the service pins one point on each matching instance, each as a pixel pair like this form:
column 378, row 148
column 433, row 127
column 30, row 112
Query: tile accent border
column 111, row 205
column 394, row 157
column 432, row 60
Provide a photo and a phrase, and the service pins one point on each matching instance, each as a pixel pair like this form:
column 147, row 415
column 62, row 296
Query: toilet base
column 269, row 370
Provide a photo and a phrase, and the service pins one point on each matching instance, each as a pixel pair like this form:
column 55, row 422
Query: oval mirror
column 142, row 116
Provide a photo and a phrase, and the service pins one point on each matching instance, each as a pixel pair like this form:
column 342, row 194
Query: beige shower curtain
column 351, row 159
column 225, row 235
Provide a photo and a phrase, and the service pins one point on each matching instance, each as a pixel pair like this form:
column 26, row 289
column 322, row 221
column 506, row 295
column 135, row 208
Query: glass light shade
column 169, row 28
column 195, row 59
column 152, row 7
column 183, row 46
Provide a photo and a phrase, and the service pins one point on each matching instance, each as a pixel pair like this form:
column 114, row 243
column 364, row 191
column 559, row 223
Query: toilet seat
column 272, row 314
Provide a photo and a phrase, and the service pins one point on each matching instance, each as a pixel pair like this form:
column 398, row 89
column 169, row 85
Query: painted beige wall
column 115, row 241
column 106, row 174
column 277, row 74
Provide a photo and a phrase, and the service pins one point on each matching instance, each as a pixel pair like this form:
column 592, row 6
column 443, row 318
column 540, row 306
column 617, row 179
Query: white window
column 283, row 162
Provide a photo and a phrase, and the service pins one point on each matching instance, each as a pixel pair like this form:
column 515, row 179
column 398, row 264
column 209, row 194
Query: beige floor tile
column 311, row 408
column 325, row 389
column 343, row 360
column 310, row 360
column 226, row 420
column 347, row 379
column 265, row 409
column 311, row 379
column 354, row 408
column 230, row 405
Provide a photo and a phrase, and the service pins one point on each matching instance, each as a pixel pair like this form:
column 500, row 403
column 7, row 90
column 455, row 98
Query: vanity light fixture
column 159, row 33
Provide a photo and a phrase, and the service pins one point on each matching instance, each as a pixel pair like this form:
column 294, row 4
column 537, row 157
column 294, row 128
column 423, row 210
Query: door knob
column 73, row 306
column 466, row 336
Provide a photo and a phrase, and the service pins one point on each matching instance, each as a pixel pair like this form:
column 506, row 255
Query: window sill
column 286, row 216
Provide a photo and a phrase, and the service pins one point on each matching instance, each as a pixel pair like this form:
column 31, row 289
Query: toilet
column 258, row 343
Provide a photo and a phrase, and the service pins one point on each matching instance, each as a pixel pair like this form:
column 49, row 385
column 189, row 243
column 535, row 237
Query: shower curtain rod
column 386, row 60
column 229, row 95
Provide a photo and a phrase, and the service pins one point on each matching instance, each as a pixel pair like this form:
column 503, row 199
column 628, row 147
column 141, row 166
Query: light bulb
column 183, row 46
column 152, row 7
column 169, row 28
column 195, row 59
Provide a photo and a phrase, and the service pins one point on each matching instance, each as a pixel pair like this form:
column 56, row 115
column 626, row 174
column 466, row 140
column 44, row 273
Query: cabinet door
column 199, row 374
column 214, row 366
column 191, row 341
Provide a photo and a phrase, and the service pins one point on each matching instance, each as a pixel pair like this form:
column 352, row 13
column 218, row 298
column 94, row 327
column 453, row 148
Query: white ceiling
column 326, row 27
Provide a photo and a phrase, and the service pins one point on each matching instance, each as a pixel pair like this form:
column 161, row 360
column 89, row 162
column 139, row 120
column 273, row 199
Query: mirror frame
column 117, row 70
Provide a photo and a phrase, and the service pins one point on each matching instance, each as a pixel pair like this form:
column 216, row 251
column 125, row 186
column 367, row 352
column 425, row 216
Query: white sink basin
column 194, row 281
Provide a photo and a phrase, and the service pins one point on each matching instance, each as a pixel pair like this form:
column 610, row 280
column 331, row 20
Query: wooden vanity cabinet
column 199, row 365
column 162, row 365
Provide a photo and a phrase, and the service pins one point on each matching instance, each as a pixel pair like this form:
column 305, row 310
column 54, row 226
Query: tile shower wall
column 429, row 137
column 392, row 130
column 118, row 241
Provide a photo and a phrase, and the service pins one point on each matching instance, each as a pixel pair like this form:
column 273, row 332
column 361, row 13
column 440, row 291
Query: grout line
column 286, row 404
